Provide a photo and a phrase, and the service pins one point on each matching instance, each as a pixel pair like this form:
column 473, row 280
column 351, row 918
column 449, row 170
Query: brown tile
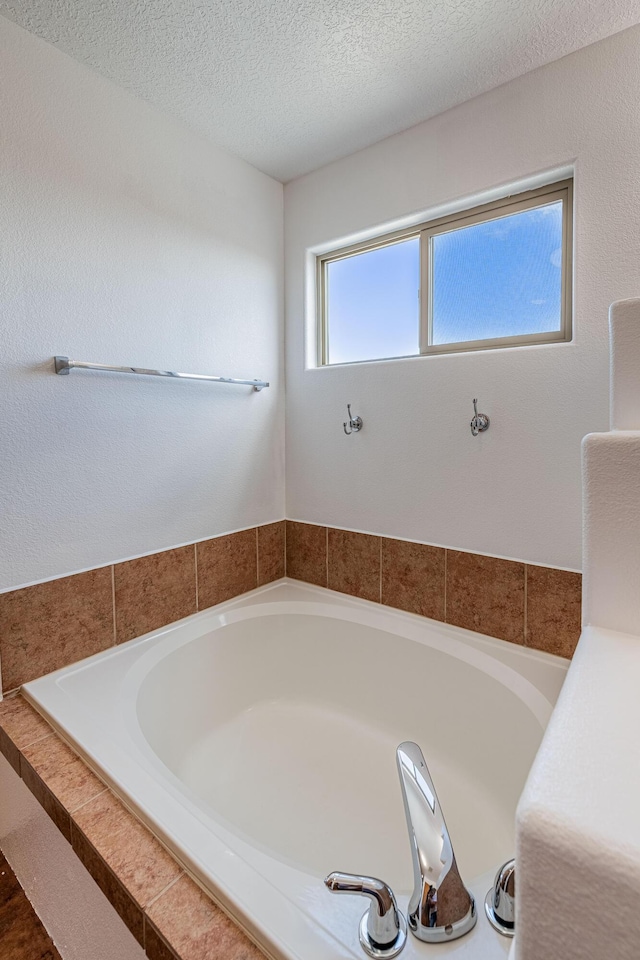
column 51, row 625
column 307, row 552
column 63, row 773
column 153, row 591
column 20, row 724
column 196, row 928
column 115, row 892
column 131, row 852
column 413, row 577
column 154, row 946
column 270, row 552
column 22, row 935
column 554, row 610
column 50, row 804
column 486, row 595
column 227, row 567
column 9, row 751
column 354, row 563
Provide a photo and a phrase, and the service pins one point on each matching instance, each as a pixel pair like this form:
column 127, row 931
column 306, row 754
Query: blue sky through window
column 374, row 310
column 498, row 278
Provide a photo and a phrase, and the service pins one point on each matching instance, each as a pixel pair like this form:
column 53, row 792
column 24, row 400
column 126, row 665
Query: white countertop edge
column 578, row 820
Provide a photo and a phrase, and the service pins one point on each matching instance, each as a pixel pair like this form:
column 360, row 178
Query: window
column 495, row 276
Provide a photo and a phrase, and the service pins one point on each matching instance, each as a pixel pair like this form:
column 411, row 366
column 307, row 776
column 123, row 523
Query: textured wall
column 414, row 471
column 127, row 239
column 78, row 917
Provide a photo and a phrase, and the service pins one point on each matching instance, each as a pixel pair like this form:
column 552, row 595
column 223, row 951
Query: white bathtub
column 257, row 739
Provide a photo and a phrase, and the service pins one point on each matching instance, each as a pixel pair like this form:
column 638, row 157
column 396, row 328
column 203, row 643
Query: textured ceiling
column 293, row 84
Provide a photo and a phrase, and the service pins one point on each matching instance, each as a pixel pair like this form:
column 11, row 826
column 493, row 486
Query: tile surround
column 190, row 926
column 50, row 804
column 114, row 890
column 517, row 602
column 51, row 625
column 166, row 911
column 413, row 577
column 67, row 777
column 307, row 552
column 554, row 610
column 271, row 552
column 54, row 624
column 126, row 846
column 153, row 591
column 353, row 563
column 19, row 728
column 227, row 567
column 486, row 595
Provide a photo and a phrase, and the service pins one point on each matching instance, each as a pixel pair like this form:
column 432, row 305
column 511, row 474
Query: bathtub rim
column 238, row 895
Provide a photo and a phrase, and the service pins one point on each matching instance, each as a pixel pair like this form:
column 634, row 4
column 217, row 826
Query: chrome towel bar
column 63, row 366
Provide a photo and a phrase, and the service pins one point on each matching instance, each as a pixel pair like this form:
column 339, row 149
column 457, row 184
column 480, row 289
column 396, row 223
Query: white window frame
column 553, row 192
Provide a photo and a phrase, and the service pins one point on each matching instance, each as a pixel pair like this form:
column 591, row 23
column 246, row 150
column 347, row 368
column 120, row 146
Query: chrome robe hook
column 355, row 423
column 480, row 421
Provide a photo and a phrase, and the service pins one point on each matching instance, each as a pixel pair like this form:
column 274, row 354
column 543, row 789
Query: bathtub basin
column 257, row 740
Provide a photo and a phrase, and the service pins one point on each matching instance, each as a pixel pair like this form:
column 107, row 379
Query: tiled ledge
column 167, row 913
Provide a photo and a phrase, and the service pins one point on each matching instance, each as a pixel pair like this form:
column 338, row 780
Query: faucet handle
column 383, row 929
column 500, row 902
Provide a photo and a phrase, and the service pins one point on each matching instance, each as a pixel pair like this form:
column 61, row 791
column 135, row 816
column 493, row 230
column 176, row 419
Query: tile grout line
column 113, row 603
column 85, row 802
column 164, row 889
column 195, row 567
column 32, row 743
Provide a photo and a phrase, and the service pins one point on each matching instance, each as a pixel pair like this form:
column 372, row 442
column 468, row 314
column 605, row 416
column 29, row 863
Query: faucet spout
column 441, row 908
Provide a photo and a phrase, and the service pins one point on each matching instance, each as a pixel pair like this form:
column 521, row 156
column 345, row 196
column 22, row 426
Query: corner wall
column 415, row 471
column 128, row 239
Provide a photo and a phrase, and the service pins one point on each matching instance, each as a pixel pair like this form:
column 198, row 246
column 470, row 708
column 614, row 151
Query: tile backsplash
column 55, row 623
column 151, row 591
column 535, row 606
column 51, row 625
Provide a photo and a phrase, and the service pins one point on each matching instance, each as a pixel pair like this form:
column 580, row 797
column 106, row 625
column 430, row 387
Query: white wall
column 415, row 471
column 76, row 914
column 127, row 239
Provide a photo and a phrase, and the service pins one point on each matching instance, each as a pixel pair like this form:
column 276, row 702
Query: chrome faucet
column 441, row 908
column 383, row 929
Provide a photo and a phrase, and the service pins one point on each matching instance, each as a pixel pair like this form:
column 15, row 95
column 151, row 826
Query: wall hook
column 480, row 421
column 355, row 423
